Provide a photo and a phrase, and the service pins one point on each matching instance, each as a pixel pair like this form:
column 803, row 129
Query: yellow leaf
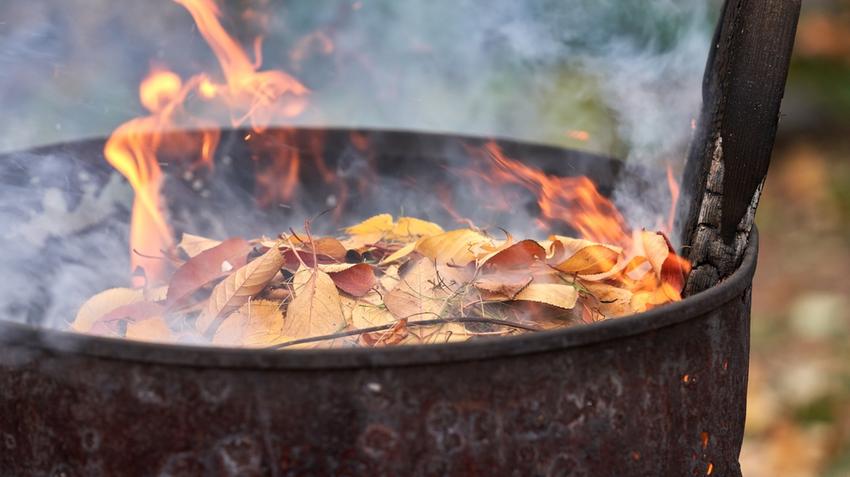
column 367, row 315
column 152, row 329
column 555, row 294
column 195, row 244
column 103, row 303
column 413, row 227
column 420, row 294
column 235, row 290
column 316, row 308
column 458, row 247
column 400, row 253
column 588, row 258
column 379, row 224
column 258, row 323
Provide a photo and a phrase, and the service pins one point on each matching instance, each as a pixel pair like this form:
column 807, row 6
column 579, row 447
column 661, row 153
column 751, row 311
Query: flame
column 136, row 148
column 573, row 200
column 133, row 149
column 253, row 96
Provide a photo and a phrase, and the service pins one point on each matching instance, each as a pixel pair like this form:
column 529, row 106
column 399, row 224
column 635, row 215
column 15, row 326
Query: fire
column 573, row 200
column 170, row 134
column 251, row 96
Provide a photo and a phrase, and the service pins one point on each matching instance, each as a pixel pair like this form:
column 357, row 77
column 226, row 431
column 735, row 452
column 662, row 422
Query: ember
column 385, row 282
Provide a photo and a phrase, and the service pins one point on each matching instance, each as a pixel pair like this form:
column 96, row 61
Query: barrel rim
column 19, row 335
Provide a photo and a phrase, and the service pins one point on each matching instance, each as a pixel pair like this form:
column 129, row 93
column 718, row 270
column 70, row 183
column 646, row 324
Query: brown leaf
column 101, row 304
column 316, row 308
column 555, row 294
column 458, row 247
column 356, row 280
column 206, row 267
column 258, row 323
column 587, row 258
column 611, row 301
column 421, row 294
column 154, row 330
column 235, row 290
column 195, row 244
column 519, row 255
column 325, row 246
column 108, row 324
column 503, row 286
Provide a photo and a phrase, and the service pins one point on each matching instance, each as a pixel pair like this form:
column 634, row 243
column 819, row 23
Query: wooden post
column 729, row 156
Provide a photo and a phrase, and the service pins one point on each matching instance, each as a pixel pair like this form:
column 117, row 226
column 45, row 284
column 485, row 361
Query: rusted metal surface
column 662, row 393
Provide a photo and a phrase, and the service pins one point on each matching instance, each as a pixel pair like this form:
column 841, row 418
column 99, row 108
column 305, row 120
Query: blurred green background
column 798, row 414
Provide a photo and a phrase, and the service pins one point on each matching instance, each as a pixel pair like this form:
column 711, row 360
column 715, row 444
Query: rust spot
column 710, row 469
column 725, row 364
column 635, row 456
column 704, row 439
column 686, row 378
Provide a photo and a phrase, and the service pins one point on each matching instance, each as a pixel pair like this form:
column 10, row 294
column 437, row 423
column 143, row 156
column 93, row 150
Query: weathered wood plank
column 729, row 157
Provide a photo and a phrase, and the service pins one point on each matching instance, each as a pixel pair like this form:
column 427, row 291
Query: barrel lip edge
column 695, row 307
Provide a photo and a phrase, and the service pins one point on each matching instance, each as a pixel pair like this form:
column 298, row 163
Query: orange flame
column 136, row 148
column 133, row 150
column 574, row 200
column 252, row 96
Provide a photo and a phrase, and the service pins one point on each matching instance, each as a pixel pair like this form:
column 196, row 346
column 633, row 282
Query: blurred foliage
column 798, row 414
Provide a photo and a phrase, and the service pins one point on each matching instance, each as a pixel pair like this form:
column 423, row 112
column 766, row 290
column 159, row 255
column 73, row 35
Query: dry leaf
column 421, row 294
column 101, row 304
column 458, row 247
column 400, row 253
column 503, row 287
column 316, row 308
column 655, row 250
column 555, row 294
column 326, row 246
column 153, row 329
column 356, row 280
column 195, row 244
column 519, row 255
column 204, row 268
column 588, row 259
column 238, row 288
column 612, row 301
column 258, row 323
column 411, row 227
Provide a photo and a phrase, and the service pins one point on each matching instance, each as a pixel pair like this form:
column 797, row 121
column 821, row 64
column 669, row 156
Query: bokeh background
column 798, row 413
column 70, row 69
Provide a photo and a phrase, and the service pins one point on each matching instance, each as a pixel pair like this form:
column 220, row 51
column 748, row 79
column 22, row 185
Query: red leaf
column 292, row 263
column 206, row 267
column 519, row 255
column 356, row 281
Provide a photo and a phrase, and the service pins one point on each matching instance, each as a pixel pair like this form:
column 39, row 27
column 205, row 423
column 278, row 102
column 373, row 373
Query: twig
column 439, row 321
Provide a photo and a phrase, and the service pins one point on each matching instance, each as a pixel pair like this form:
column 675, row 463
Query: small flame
column 573, row 200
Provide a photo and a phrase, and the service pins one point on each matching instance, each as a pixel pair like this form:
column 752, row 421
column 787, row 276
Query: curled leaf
column 258, row 323
column 235, row 290
column 206, row 267
column 519, row 255
column 101, row 304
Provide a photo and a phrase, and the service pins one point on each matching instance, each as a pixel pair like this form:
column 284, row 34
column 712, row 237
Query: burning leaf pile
column 386, row 282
